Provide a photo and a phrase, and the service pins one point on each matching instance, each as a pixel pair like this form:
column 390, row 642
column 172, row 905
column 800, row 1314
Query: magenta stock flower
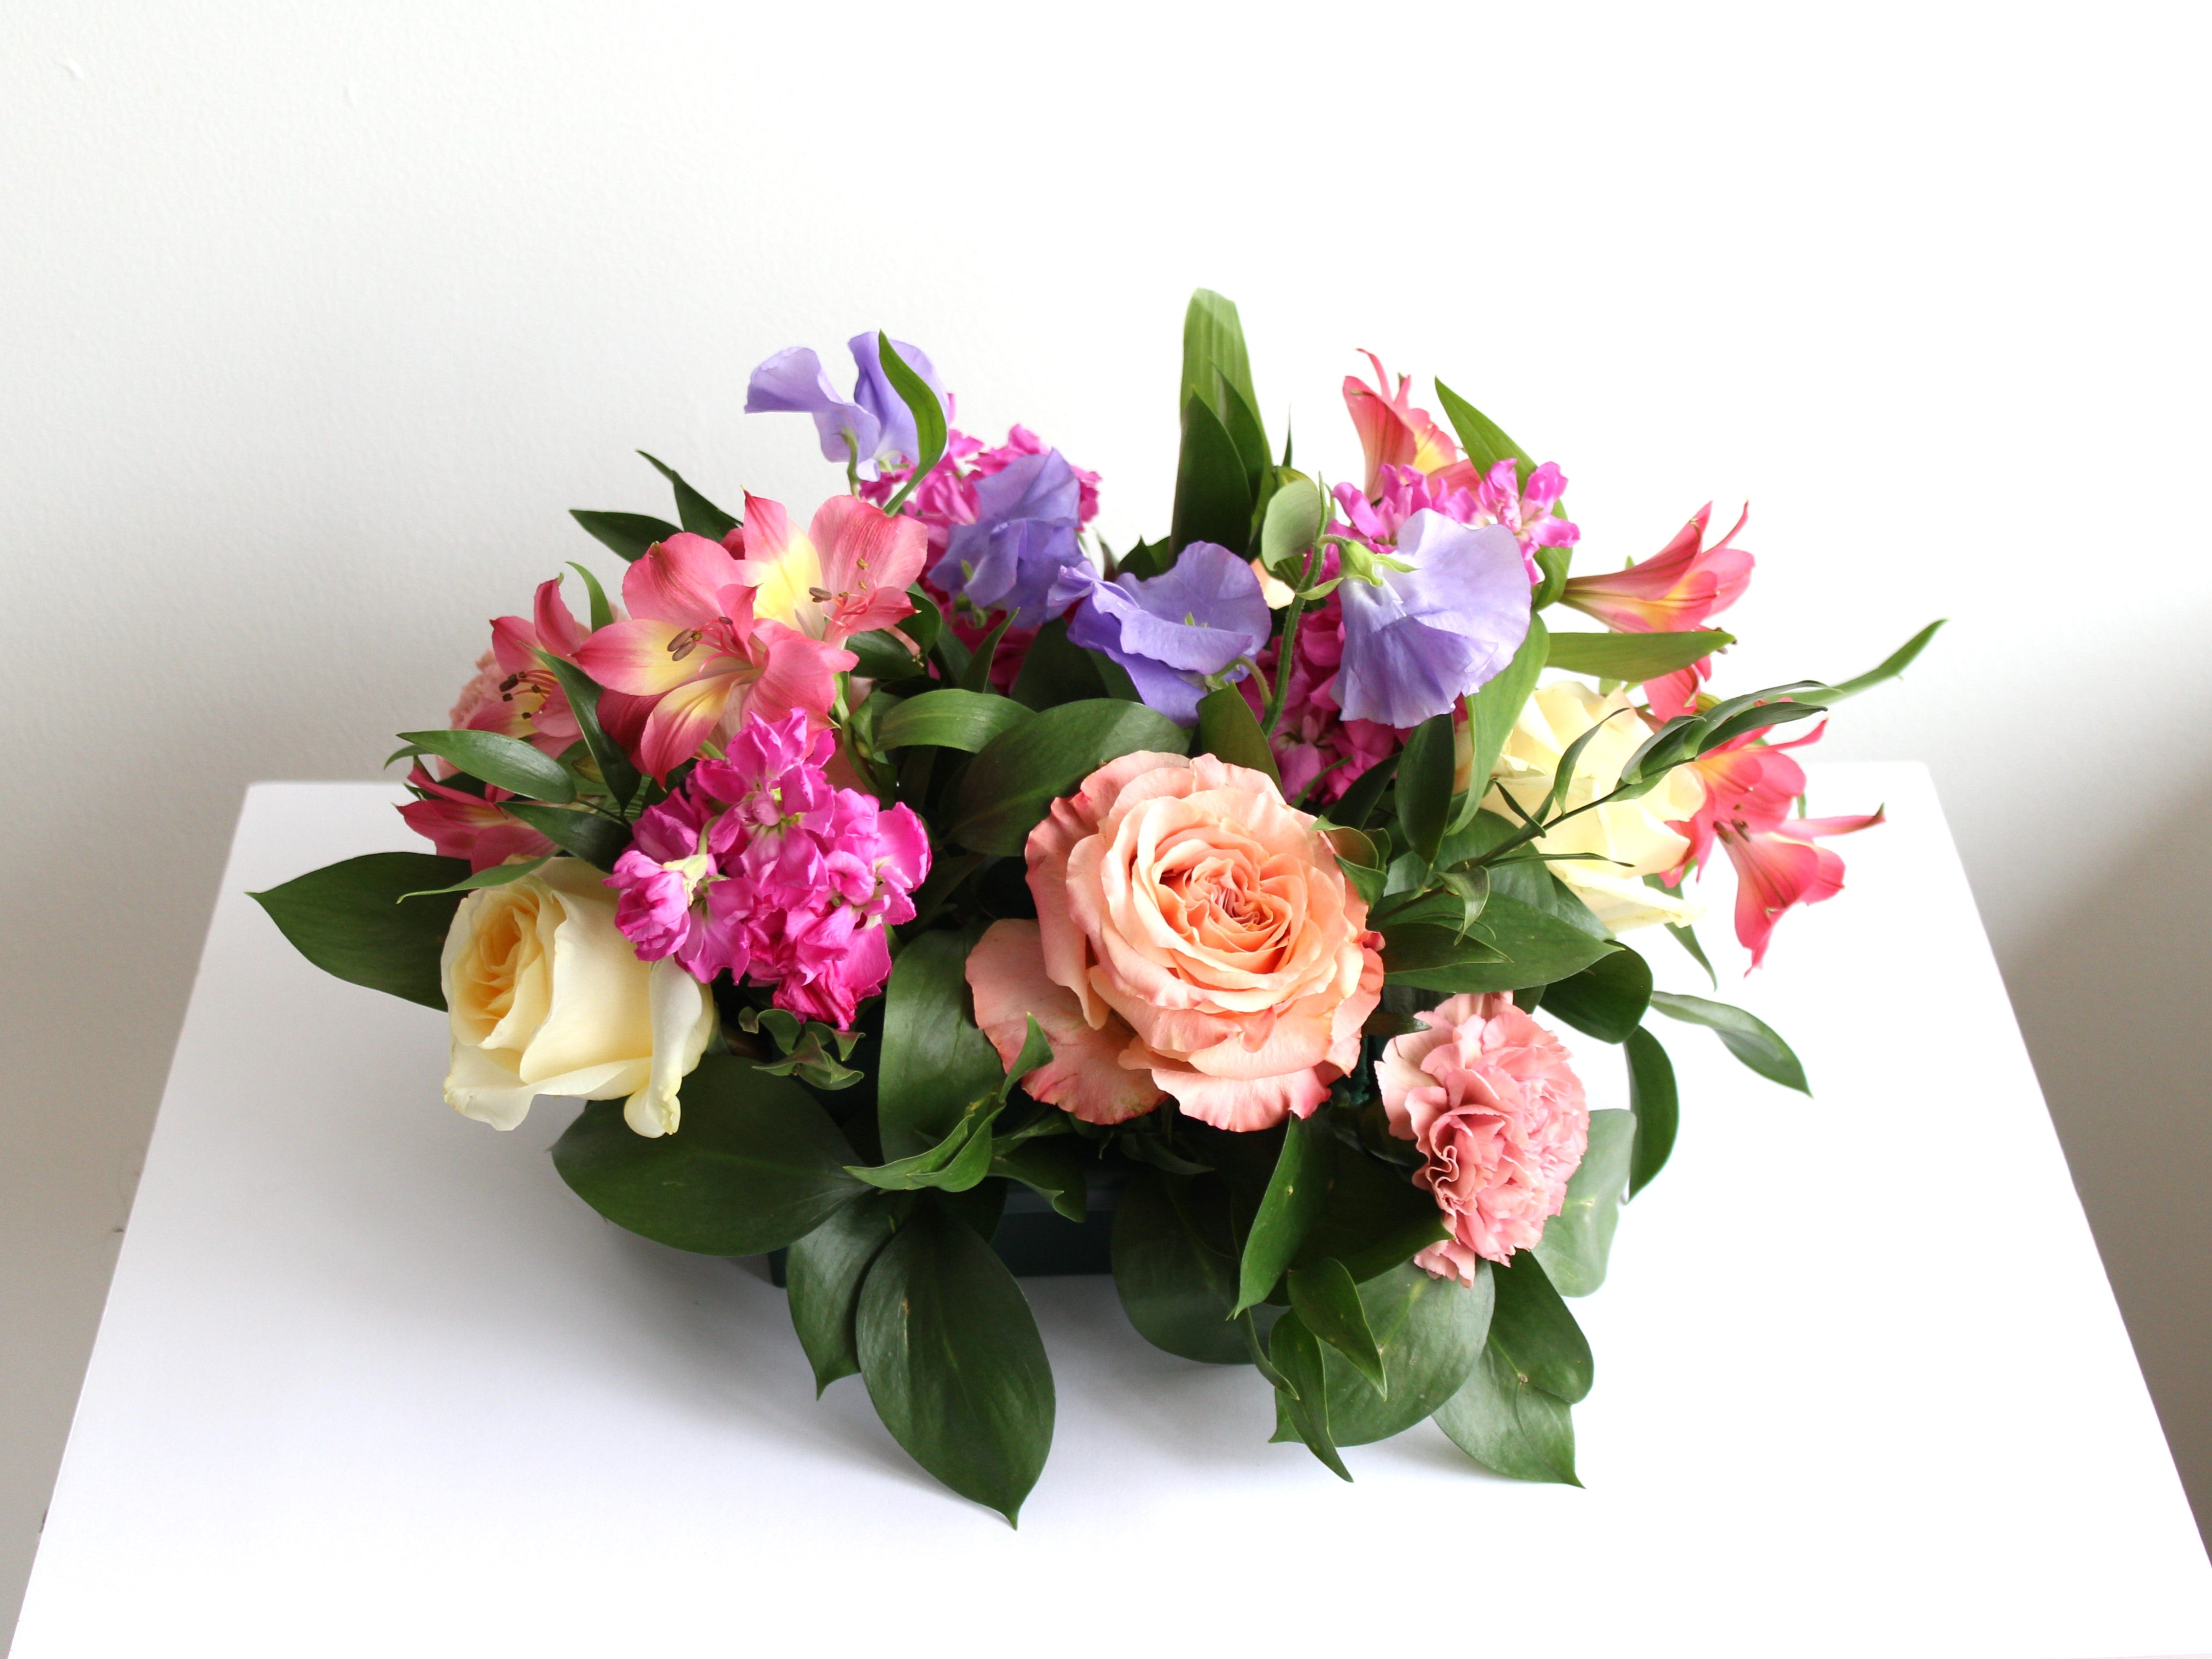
column 757, row 867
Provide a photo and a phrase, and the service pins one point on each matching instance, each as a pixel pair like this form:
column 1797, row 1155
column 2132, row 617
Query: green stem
column 1286, row 653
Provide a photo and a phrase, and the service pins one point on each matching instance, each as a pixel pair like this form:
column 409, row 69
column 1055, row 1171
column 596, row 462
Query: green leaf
column 602, row 613
column 1053, row 1169
column 1657, row 1105
column 1250, row 437
column 1534, row 1328
column 824, row 1272
column 926, row 622
column 935, row 1063
column 1578, row 1240
column 1055, row 671
column 1424, row 785
column 700, row 516
column 347, row 918
column 1429, row 1332
column 498, row 875
column 1764, row 718
column 1011, row 782
column 1292, row 522
column 1301, row 1393
column 1607, row 999
column 1551, row 563
column 1373, row 1219
column 1294, row 1197
column 1357, row 804
column 630, row 535
column 1508, row 1424
column 1891, row 666
column 597, row 841
column 1226, row 729
column 615, row 768
column 952, row 1361
column 977, row 676
column 1214, row 355
column 509, row 763
column 950, row 719
column 1749, row 1037
column 1482, row 437
column 882, row 657
column 957, row 1162
column 1533, row 947
column 1176, row 1285
column 1146, row 560
column 1687, row 937
column 1634, row 656
column 1035, row 1051
column 1496, row 705
column 1325, row 1297
column 1212, row 503
column 929, row 424
column 755, row 1163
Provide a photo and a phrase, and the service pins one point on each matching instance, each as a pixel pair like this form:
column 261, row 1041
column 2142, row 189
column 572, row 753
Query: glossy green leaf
column 1532, row 883
column 602, row 613
column 1011, row 782
column 953, row 1166
column 616, row 771
column 1424, row 785
column 1053, row 1169
column 950, row 719
column 755, row 1163
column 1250, row 436
column 1302, row 1390
column 1357, row 804
column 1482, row 437
column 1055, row 671
column 347, row 918
column 1213, row 345
column 1226, row 727
column 1534, row 948
column 1429, row 1332
column 1634, row 656
column 1212, row 503
column 1325, row 1298
column 1749, row 1037
column 507, row 761
column 977, row 676
column 1510, row 1425
column 629, row 535
column 497, row 875
column 883, row 656
column 1533, row 1327
column 935, row 1063
column 1657, row 1105
column 1293, row 1198
column 1765, row 717
column 1891, row 666
column 1178, row 1285
column 1551, row 565
column 597, row 841
column 1496, row 705
column 1687, row 937
column 1577, row 1241
column 1607, row 999
column 1373, row 1219
column 699, row 515
column 929, row 418
column 952, row 1360
column 824, row 1273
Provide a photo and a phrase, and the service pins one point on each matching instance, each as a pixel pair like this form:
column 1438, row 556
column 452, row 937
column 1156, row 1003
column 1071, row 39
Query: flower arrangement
column 854, row 876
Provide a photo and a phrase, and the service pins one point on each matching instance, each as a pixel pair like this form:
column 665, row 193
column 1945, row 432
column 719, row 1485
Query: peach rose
column 1194, row 936
column 1490, row 1098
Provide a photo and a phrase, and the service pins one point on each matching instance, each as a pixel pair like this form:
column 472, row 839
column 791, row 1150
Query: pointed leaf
column 1891, row 666
column 700, row 516
column 499, row 875
column 1492, row 710
column 1483, row 441
column 1303, row 1403
column 1653, row 1097
column 1054, row 671
column 1226, row 729
column 1509, row 1425
column 1634, row 656
column 629, row 535
column 1749, row 1037
column 929, row 421
column 1213, row 346
column 598, row 842
column 1212, row 503
column 1429, row 1332
column 1424, row 785
column 1578, row 1240
column 1011, row 782
column 1324, row 1296
column 347, row 918
column 935, row 1062
column 509, row 763
column 1294, row 1196
column 1533, row 1327
column 1052, row 1168
column 616, row 771
column 824, row 1273
column 1607, row 999
column 1178, row 1285
column 950, row 719
column 602, row 613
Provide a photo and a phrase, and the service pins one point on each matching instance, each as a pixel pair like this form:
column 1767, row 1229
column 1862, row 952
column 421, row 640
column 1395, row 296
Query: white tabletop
column 371, row 1381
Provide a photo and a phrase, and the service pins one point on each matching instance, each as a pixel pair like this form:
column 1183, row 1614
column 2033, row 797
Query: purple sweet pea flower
column 1420, row 639
column 873, row 426
column 1023, row 539
column 1198, row 618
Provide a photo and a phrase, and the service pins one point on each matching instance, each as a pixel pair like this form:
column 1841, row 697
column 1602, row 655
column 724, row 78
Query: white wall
column 313, row 321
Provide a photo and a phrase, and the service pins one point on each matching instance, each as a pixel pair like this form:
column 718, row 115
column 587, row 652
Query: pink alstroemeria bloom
column 695, row 659
column 1750, row 789
column 1679, row 587
column 461, row 825
column 846, row 574
column 1391, row 430
column 514, row 693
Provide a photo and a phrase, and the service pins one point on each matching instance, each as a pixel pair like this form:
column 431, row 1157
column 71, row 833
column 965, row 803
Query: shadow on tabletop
column 2113, row 999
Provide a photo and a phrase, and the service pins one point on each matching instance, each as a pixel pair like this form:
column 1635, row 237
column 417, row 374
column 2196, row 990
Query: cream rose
column 1630, row 837
column 546, row 997
column 1195, row 937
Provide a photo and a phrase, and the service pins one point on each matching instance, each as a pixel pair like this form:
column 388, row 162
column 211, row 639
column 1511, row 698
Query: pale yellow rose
column 1630, row 836
column 547, row 998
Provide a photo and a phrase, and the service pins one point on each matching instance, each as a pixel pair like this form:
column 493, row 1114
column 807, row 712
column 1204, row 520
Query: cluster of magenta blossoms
column 758, row 867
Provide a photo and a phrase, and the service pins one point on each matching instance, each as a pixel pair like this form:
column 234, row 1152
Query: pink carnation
column 1490, row 1100
column 759, row 868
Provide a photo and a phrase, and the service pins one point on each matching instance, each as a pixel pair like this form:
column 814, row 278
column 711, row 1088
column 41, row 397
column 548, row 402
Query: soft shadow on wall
column 2113, row 997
